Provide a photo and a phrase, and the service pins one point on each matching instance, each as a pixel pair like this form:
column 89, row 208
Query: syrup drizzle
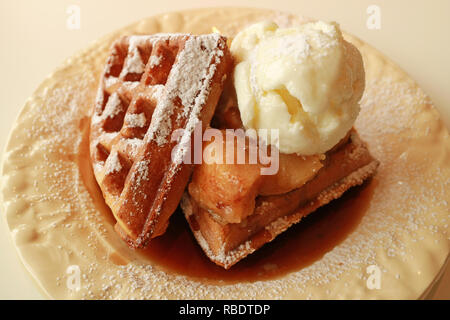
column 301, row 245
column 177, row 251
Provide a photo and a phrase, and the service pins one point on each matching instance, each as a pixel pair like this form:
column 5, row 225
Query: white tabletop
column 38, row 35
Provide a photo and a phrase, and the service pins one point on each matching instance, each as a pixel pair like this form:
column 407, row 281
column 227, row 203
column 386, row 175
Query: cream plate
column 55, row 211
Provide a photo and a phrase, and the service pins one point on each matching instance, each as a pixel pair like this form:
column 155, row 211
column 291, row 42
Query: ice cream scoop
column 305, row 81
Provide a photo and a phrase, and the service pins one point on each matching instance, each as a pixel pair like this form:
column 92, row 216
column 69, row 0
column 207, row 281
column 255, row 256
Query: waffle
column 150, row 87
column 347, row 165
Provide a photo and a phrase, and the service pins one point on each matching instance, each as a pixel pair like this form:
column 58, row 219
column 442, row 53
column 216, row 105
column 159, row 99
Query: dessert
column 152, row 86
column 226, row 239
column 58, row 218
column 306, row 82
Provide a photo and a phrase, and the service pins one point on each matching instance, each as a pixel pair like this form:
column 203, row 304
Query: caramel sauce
column 177, row 250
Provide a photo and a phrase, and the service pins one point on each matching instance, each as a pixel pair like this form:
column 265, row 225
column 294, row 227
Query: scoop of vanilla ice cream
column 305, row 81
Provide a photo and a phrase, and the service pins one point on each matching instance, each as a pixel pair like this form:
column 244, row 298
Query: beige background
column 35, row 40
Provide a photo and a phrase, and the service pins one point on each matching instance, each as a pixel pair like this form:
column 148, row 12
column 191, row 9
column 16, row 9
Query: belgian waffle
column 150, row 87
column 347, row 165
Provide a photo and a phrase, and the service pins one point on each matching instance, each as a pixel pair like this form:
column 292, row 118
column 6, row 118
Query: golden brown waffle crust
column 227, row 259
column 151, row 86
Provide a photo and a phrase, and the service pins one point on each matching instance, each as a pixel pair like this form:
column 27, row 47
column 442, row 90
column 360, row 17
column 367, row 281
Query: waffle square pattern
column 151, row 86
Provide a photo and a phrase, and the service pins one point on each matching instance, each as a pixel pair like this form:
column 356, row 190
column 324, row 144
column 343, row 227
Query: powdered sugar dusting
column 111, row 81
column 135, row 144
column 135, row 120
column 188, row 84
column 112, row 109
column 113, row 163
column 133, row 62
column 141, row 172
column 155, row 61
